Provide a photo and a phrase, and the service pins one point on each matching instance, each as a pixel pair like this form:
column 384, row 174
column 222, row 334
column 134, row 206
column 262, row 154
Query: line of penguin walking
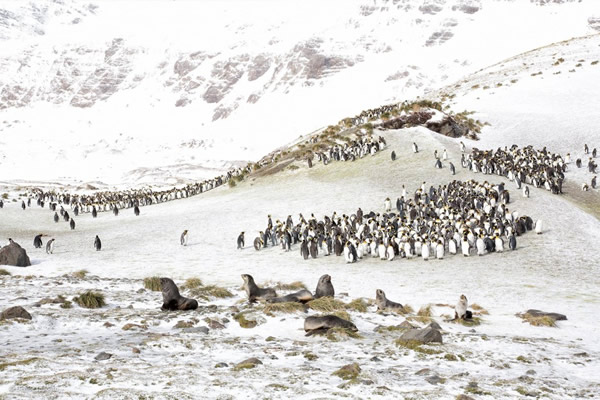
column 357, row 148
column 460, row 217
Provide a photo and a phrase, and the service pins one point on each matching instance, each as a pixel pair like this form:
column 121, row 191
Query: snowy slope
column 545, row 272
column 93, row 91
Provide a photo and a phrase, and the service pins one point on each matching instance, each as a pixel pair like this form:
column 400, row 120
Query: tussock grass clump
column 538, row 321
column 192, row 283
column 152, row 283
column 348, row 372
column 338, row 334
column 90, row 299
column 425, row 311
column 4, row 272
column 66, row 304
column 326, row 304
column 479, row 309
column 80, row 274
column 475, row 321
column 27, row 361
column 416, row 346
column 297, row 285
column 210, row 291
column 359, row 305
column 287, row 307
column 244, row 322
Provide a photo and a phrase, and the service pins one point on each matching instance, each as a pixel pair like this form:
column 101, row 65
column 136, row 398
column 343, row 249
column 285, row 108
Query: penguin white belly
column 440, row 252
column 452, row 246
column 499, row 245
column 425, row 251
column 538, row 227
column 407, row 250
column 465, row 248
column 381, row 250
column 390, row 253
column 480, row 247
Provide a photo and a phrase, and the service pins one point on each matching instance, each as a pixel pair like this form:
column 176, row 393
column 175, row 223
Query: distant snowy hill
column 165, row 91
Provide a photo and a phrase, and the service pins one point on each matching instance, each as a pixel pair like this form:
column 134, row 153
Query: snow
column 545, row 273
column 139, row 126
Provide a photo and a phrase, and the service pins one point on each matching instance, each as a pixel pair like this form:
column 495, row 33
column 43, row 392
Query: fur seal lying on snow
column 254, row 292
column 383, row 303
column 324, row 287
column 301, row 296
column 172, row 300
column 314, row 325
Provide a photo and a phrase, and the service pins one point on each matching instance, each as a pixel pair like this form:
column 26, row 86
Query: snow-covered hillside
column 96, row 90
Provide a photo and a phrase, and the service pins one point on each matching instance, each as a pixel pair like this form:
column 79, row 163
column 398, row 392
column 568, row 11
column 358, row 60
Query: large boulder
column 425, row 335
column 14, row 255
column 15, row 312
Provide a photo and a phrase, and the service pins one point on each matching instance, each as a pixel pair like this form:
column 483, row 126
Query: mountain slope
column 238, row 78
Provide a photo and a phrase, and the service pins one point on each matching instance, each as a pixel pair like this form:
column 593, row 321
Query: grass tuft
column 359, row 305
column 287, row 307
column 152, row 283
column 4, row 272
column 416, row 346
column 90, row 299
column 425, row 311
column 337, row 334
column 480, row 310
column 80, row 274
column 210, row 291
column 348, row 372
column 538, row 321
column 192, row 283
column 326, row 304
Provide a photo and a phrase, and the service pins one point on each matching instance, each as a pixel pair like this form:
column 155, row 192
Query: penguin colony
column 539, row 168
column 357, row 148
column 591, row 166
column 458, row 218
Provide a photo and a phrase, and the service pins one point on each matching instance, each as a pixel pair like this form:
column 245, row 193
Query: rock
column 15, row 255
column 554, row 316
column 434, row 379
column 406, row 325
column 348, row 372
column 135, row 350
column 423, row 371
column 221, row 365
column 197, row 329
column 15, row 312
column 464, row 397
column 425, row 335
column 434, row 325
column 130, row 326
column 103, row 356
column 247, row 364
column 375, row 359
column 212, row 324
column 108, row 324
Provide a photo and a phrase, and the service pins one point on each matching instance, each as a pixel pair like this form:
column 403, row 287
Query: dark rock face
column 554, row 316
column 426, row 335
column 14, row 255
column 15, row 312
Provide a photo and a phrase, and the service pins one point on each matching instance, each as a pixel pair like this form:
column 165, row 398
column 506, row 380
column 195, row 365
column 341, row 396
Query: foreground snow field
column 53, row 356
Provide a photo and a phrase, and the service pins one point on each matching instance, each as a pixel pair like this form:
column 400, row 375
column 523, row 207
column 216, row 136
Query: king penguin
column 415, row 148
column 37, row 241
column 184, row 238
column 97, row 243
column 50, row 246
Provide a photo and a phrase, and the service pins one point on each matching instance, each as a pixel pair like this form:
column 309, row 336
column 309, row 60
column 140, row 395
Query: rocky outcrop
column 15, row 312
column 15, row 255
column 423, row 336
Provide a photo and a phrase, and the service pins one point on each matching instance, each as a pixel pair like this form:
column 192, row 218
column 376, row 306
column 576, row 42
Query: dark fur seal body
column 301, row 296
column 324, row 287
column 172, row 300
column 383, row 303
column 254, row 292
column 314, row 325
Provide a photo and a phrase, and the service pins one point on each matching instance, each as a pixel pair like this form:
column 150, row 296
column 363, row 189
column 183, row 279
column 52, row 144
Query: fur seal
column 172, row 300
column 460, row 310
column 324, row 287
column 301, row 296
column 383, row 303
column 254, row 292
column 314, row 325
